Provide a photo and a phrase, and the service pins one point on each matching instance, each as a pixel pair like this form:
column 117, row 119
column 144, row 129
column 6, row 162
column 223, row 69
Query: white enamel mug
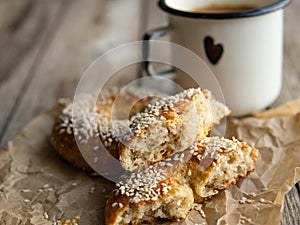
column 244, row 49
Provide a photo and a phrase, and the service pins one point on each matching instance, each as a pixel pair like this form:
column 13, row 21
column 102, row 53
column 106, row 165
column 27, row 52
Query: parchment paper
column 38, row 187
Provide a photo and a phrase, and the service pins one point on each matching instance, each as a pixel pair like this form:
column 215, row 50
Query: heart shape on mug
column 213, row 52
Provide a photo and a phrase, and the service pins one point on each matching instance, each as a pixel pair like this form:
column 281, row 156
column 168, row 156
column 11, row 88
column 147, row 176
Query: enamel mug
column 240, row 40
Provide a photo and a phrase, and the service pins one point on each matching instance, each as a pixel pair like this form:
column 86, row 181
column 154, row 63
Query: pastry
column 168, row 190
column 105, row 126
column 95, row 123
column 170, row 125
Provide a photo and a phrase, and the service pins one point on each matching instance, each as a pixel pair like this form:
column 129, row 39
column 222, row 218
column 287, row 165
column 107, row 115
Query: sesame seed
column 262, row 200
column 26, row 200
column 82, row 118
column 179, row 202
column 153, row 112
column 249, row 201
column 143, row 185
column 211, row 147
column 114, row 204
column 162, row 164
column 244, row 200
column 176, row 158
column 46, row 216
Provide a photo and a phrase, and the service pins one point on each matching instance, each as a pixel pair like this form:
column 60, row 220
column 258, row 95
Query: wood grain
column 291, row 66
column 87, row 30
column 291, row 90
column 291, row 210
column 22, row 46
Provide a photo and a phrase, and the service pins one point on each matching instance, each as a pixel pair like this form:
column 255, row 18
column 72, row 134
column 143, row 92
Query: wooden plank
column 88, row 29
column 291, row 90
column 25, row 28
column 291, row 67
column 291, row 210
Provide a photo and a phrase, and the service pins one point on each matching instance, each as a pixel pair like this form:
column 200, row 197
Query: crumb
column 262, row 200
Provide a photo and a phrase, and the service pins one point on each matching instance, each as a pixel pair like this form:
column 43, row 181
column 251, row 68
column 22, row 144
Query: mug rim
column 229, row 15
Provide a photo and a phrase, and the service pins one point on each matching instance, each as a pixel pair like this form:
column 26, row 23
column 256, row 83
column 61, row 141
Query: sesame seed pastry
column 169, row 125
column 217, row 163
column 97, row 122
column 164, row 124
column 169, row 189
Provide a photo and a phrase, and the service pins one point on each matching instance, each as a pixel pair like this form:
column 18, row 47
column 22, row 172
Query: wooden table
column 46, row 45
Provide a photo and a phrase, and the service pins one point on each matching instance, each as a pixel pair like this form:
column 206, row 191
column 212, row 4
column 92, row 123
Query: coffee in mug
column 222, row 8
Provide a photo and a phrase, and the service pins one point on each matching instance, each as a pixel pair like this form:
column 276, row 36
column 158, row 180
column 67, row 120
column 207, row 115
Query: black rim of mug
column 230, row 15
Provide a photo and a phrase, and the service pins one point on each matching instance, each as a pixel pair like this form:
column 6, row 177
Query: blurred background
column 45, row 46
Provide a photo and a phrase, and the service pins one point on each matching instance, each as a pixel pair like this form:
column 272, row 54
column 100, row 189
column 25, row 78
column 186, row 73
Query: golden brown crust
column 217, row 164
column 204, row 169
column 172, row 114
column 174, row 204
column 93, row 124
column 67, row 147
column 177, row 121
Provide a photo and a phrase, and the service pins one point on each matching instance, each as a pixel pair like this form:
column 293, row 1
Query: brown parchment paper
column 38, row 187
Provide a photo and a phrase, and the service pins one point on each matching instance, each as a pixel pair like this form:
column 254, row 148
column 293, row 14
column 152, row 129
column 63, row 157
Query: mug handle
column 146, row 65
